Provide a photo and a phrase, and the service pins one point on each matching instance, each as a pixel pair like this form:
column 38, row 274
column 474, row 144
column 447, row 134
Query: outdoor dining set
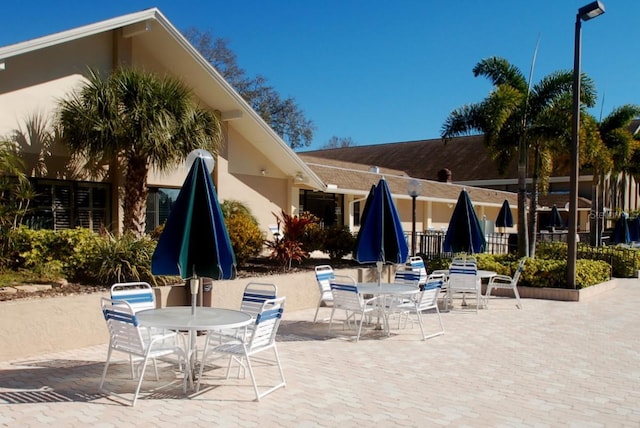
column 142, row 331
column 410, row 295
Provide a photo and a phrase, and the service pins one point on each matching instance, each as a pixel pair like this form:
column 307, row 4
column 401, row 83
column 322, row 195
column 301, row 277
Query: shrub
column 117, row 259
column 288, row 247
column 338, row 242
column 245, row 235
column 553, row 273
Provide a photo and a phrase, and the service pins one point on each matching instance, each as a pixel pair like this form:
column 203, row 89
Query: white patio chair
column 254, row 295
column 324, row 274
column 139, row 295
column 426, row 300
column 407, row 276
column 346, row 298
column 262, row 338
column 506, row 282
column 127, row 337
column 416, row 263
column 463, row 280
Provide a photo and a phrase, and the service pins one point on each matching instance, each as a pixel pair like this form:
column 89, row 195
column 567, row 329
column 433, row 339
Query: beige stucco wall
column 36, row 326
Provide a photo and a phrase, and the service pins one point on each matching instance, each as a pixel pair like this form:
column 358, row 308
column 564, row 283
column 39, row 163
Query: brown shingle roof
column 356, row 178
column 466, row 157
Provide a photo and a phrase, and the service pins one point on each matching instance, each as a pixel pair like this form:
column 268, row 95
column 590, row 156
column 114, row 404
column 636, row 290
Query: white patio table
column 386, row 289
column 184, row 319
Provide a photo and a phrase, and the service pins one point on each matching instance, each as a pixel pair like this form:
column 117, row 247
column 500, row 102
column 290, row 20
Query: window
column 356, row 213
column 159, row 204
column 69, row 204
column 326, row 206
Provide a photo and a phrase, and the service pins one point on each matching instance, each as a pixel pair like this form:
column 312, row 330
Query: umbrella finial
column 209, row 161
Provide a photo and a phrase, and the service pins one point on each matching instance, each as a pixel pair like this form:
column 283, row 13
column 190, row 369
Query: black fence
column 431, row 243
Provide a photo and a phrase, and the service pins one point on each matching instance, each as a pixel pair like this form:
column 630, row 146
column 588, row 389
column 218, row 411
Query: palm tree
column 136, row 120
column 15, row 194
column 513, row 119
column 623, row 152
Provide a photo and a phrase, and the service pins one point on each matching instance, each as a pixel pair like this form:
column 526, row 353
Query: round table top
column 481, row 273
column 386, row 288
column 204, row 318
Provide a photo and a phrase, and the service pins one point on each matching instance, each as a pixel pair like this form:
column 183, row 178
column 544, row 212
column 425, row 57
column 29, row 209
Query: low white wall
column 30, row 327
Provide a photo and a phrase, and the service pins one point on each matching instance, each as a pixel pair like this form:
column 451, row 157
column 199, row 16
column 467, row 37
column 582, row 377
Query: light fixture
column 136, row 29
column 263, row 171
column 585, row 13
column 209, row 161
column 590, row 11
column 414, row 189
column 299, row 177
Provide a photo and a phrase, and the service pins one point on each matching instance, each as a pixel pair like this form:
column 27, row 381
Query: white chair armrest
column 500, row 279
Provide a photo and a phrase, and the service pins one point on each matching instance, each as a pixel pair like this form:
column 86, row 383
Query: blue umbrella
column 380, row 238
column 195, row 242
column 621, row 231
column 555, row 220
column 464, row 233
column 505, row 217
column 634, row 229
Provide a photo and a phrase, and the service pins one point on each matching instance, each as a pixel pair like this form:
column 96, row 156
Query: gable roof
column 465, row 157
column 154, row 34
column 356, row 178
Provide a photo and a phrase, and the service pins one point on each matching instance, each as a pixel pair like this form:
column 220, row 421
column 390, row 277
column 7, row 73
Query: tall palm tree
column 623, row 150
column 513, row 119
column 136, row 120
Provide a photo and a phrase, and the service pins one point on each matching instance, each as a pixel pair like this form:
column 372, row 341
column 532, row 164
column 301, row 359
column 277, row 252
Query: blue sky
column 381, row 71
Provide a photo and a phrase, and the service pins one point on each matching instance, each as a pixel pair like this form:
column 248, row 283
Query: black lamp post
column 585, row 13
column 414, row 189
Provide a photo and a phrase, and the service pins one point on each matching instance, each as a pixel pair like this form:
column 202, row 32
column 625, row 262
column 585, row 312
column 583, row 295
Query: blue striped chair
column 416, row 263
column 262, row 338
column 126, row 336
column 463, row 279
column 426, row 300
column 139, row 295
column 324, row 275
column 347, row 298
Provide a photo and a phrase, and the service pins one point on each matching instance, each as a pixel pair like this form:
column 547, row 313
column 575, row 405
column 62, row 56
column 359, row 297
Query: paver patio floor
column 550, row 364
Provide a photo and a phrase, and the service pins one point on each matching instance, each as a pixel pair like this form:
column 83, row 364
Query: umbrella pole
column 194, row 282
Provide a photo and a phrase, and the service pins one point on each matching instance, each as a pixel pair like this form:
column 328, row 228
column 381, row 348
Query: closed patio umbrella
column 634, row 229
column 195, row 242
column 381, row 238
column 621, row 230
column 555, row 220
column 464, row 234
column 505, row 217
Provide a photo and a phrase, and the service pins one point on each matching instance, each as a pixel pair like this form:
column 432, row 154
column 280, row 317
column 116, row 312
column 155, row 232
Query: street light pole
column 414, row 189
column 585, row 13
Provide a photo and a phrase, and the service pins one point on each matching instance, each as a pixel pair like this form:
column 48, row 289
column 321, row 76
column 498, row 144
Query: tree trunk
column 533, row 211
column 523, row 236
column 135, row 197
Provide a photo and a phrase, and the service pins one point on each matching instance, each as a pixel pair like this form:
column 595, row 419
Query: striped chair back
column 267, row 322
column 123, row 326
column 416, row 263
column 463, row 277
column 139, row 295
column 428, row 298
column 407, row 277
column 345, row 294
column 324, row 274
column 255, row 294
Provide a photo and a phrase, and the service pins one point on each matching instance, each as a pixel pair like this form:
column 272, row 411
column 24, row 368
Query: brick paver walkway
column 550, row 364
